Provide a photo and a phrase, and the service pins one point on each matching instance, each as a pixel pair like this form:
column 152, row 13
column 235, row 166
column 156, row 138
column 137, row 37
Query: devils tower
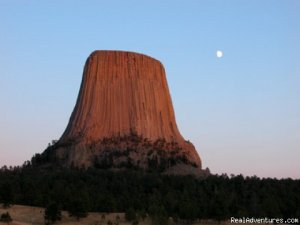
column 124, row 117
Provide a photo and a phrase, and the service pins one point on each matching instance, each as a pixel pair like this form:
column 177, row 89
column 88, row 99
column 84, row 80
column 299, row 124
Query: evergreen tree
column 78, row 207
column 130, row 214
column 159, row 196
column 52, row 213
column 188, row 211
column 158, row 214
column 6, row 218
column 7, row 194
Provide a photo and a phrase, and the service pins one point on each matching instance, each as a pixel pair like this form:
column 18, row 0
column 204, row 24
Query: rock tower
column 124, row 117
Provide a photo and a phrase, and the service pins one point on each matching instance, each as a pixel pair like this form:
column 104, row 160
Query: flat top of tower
column 121, row 52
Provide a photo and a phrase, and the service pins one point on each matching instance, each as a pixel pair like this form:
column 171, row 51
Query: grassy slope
column 25, row 215
column 28, row 215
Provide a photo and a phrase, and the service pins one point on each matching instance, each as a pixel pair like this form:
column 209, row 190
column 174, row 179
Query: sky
column 241, row 111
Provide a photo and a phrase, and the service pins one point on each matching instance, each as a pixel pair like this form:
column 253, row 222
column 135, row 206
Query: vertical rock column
column 122, row 93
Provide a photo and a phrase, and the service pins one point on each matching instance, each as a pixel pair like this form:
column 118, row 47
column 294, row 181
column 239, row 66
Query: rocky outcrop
column 123, row 117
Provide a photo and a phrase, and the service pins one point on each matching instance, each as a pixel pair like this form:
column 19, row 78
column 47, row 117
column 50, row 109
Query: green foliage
column 6, row 194
column 130, row 214
column 184, row 198
column 158, row 214
column 135, row 222
column 78, row 207
column 6, row 218
column 52, row 213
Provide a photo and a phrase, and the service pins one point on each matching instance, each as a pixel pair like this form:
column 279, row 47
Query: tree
column 135, row 222
column 78, row 207
column 118, row 219
column 219, row 207
column 52, row 213
column 6, row 218
column 7, row 194
column 188, row 211
column 158, row 214
column 103, row 217
column 130, row 214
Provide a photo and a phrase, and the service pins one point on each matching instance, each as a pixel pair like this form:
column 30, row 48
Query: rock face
column 124, row 117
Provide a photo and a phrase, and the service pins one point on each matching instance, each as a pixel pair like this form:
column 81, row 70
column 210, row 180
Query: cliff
column 124, row 116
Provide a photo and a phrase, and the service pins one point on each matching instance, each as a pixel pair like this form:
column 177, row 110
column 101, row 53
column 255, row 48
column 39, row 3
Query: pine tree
column 52, row 213
column 6, row 218
column 79, row 207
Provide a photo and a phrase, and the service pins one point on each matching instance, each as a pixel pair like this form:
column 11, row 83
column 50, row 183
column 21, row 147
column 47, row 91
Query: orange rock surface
column 122, row 94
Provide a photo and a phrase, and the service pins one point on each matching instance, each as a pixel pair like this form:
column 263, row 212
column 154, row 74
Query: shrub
column 5, row 217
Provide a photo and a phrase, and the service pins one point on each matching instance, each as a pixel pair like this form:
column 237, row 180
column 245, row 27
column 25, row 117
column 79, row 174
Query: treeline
column 184, row 198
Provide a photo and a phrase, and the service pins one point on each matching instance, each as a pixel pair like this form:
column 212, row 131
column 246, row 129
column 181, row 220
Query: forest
column 141, row 194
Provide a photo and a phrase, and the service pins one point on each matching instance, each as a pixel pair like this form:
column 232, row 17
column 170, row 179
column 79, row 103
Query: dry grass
column 28, row 215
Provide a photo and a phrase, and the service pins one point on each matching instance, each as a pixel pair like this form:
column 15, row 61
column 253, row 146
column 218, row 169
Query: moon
column 219, row 54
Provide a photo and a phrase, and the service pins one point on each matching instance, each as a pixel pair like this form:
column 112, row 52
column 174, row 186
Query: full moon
column 219, row 54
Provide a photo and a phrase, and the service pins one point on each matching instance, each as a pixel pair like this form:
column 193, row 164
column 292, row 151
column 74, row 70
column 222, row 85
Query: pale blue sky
column 241, row 111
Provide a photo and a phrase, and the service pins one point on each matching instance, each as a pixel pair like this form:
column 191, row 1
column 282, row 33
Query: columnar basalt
column 124, row 117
